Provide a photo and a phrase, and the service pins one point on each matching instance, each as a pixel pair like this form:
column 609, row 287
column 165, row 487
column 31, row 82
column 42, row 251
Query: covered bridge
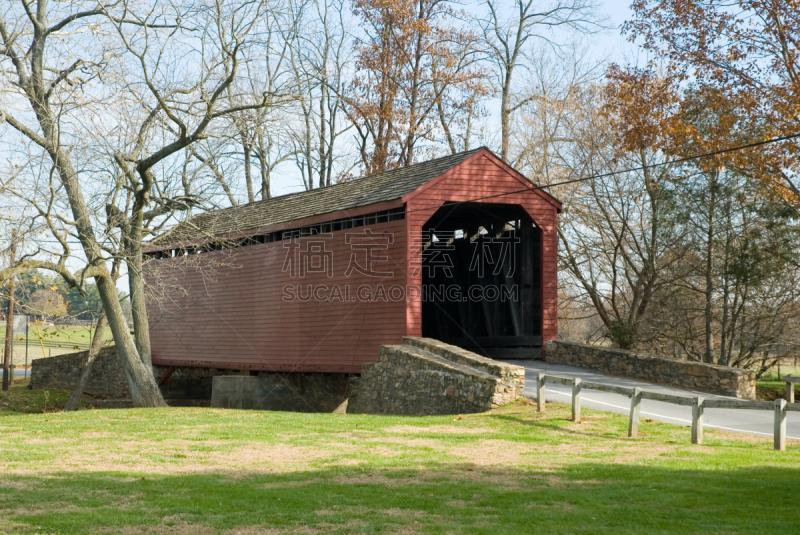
column 459, row 248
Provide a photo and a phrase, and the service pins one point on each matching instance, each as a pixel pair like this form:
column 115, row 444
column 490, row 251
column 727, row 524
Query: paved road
column 734, row 420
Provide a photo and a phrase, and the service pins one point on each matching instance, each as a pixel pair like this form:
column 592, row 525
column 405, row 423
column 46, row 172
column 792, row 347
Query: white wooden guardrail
column 698, row 404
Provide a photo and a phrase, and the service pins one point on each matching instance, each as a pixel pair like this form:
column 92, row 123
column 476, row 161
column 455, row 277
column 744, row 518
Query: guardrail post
column 789, row 392
column 697, row 420
column 540, row 392
column 576, row 400
column 780, row 424
column 633, row 421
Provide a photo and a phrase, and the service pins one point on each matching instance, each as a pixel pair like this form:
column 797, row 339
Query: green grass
column 57, row 333
column 189, row 470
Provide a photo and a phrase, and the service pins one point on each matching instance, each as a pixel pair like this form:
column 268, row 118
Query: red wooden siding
column 227, row 309
column 230, row 312
column 483, row 175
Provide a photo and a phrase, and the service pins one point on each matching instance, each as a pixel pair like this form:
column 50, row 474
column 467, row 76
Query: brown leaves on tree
column 744, row 59
column 413, row 67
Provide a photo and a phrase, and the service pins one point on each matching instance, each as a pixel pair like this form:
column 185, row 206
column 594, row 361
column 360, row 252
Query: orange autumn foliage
column 412, row 63
column 743, row 60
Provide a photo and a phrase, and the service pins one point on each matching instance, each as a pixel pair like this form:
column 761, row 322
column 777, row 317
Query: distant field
column 57, row 340
column 770, row 386
column 212, row 471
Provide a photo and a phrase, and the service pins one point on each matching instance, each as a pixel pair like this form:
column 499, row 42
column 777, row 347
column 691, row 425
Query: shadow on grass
column 583, row 498
column 562, row 425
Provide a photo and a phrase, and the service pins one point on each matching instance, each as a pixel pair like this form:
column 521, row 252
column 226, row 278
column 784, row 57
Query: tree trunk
column 8, row 357
column 139, row 376
column 141, row 323
column 709, row 294
column 724, row 356
column 247, row 146
column 505, row 116
column 264, row 167
column 141, row 383
column 94, row 349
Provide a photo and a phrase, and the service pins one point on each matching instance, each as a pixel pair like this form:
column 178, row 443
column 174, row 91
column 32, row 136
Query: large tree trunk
column 94, row 349
column 141, row 323
column 139, row 376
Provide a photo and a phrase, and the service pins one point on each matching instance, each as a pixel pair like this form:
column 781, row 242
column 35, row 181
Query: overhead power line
column 684, row 159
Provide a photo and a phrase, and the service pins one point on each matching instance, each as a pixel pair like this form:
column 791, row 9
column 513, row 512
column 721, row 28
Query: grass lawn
column 57, row 333
column 206, row 471
column 57, row 340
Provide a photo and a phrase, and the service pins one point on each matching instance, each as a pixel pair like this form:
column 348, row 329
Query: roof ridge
column 327, row 188
column 360, row 196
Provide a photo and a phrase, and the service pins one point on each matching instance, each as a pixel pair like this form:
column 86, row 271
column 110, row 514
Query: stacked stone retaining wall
column 656, row 369
column 107, row 384
column 424, row 376
column 107, row 380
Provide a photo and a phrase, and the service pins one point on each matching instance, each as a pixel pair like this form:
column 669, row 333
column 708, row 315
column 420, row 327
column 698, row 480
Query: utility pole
column 10, row 314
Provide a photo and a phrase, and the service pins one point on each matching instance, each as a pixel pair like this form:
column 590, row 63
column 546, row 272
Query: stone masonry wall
column 656, row 369
column 424, row 376
column 107, row 380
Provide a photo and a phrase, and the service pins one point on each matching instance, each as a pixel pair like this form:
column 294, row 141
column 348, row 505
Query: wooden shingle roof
column 381, row 187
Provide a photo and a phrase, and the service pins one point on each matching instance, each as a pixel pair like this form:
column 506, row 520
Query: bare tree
column 411, row 54
column 614, row 245
column 321, row 60
column 509, row 38
column 69, row 67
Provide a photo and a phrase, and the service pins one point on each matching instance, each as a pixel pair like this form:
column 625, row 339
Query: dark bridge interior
column 481, row 275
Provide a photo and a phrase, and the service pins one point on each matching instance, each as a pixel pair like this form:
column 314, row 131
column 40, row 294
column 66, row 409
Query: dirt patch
column 562, row 506
column 17, row 485
column 288, row 484
column 382, row 451
column 98, row 434
column 177, row 457
column 253, row 530
column 417, row 442
column 60, row 508
column 396, row 511
column 283, row 456
column 349, row 462
column 489, row 452
column 183, row 528
column 350, row 510
column 47, row 441
column 440, row 429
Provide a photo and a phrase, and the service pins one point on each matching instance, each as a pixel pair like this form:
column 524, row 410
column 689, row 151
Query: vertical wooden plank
column 789, row 392
column 780, row 424
column 697, row 420
column 540, row 392
column 633, row 420
column 576, row 400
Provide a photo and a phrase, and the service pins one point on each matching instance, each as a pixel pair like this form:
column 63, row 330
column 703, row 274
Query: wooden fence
column 698, row 404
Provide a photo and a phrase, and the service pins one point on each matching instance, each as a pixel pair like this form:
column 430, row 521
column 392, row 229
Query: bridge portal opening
column 482, row 279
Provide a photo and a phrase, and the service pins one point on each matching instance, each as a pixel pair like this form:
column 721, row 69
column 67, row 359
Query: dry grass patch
column 411, row 442
column 396, row 511
column 183, row 528
column 439, row 429
column 491, row 452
